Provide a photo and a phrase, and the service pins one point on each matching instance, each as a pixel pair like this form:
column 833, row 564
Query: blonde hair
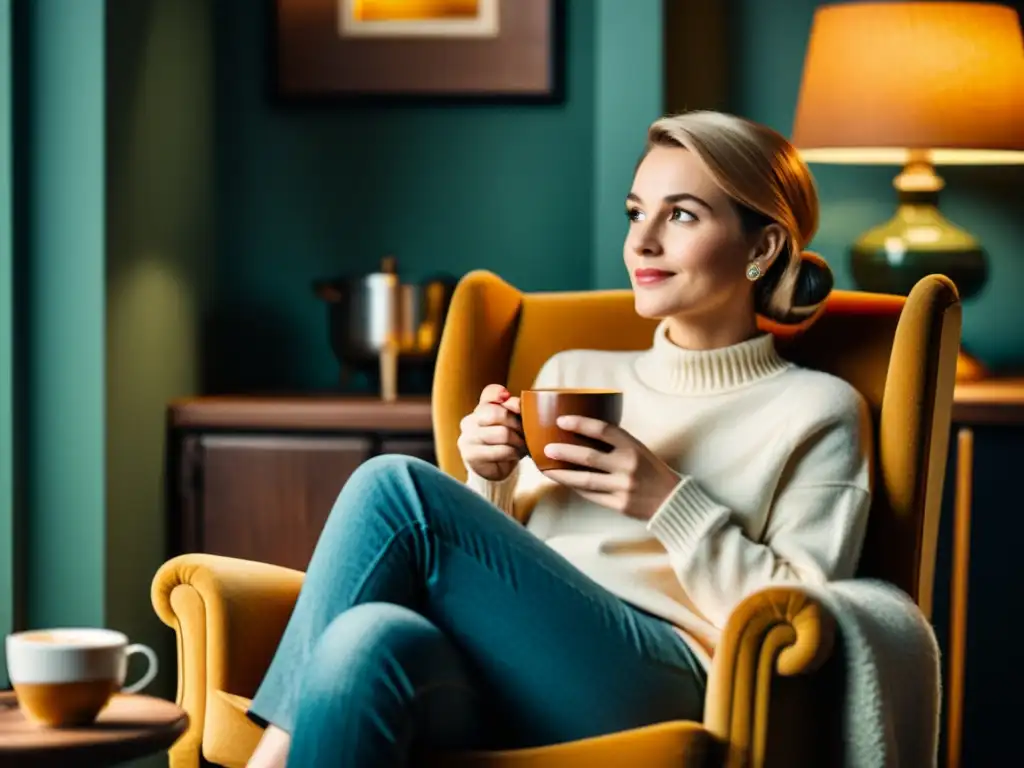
column 768, row 182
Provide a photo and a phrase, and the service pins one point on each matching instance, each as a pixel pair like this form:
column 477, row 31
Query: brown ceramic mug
column 542, row 407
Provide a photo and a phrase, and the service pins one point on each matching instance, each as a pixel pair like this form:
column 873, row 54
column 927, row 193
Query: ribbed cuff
column 501, row 494
column 684, row 518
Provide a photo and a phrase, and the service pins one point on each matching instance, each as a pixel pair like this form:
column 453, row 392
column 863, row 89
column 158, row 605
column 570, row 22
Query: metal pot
column 367, row 314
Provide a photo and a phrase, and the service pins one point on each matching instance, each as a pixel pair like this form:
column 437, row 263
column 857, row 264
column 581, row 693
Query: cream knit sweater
column 774, row 480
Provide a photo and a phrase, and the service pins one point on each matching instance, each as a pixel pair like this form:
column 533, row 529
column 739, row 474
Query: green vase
column 916, row 242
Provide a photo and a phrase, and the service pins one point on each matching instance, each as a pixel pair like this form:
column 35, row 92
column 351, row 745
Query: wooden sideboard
column 255, row 478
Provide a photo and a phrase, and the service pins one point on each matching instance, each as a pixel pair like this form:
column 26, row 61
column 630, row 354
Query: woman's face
column 686, row 250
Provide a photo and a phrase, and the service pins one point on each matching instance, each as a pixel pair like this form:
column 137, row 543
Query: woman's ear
column 768, row 246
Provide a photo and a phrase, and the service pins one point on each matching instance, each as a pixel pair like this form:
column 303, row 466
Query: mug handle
column 147, row 678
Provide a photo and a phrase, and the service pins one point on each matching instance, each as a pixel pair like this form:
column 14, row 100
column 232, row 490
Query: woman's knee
column 381, row 643
column 393, row 481
column 389, row 476
column 390, row 467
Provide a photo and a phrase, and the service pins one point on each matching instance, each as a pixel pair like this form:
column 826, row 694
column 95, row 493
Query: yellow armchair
column 776, row 683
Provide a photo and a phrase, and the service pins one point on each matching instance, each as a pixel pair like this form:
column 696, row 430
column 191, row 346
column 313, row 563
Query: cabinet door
column 992, row 664
column 266, row 497
column 995, row 573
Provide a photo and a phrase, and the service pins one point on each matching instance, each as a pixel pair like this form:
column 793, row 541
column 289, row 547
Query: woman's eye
column 678, row 214
column 634, row 214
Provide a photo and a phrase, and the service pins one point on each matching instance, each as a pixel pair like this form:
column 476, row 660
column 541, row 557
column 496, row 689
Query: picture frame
column 419, row 50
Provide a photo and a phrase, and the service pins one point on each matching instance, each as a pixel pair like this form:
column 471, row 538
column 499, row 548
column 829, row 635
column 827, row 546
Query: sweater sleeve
column 500, row 493
column 503, row 493
column 814, row 532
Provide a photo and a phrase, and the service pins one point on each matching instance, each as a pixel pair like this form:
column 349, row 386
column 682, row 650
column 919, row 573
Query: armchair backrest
column 900, row 353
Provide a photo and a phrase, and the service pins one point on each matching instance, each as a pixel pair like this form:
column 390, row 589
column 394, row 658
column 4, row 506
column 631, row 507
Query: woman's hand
column 491, row 440
column 629, row 479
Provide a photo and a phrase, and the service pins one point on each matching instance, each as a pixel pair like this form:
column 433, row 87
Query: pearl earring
column 753, row 271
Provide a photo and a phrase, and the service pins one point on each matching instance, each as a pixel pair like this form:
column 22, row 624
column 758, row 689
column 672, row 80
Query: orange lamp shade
column 941, row 78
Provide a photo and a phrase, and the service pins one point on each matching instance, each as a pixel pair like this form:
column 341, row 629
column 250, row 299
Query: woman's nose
column 646, row 241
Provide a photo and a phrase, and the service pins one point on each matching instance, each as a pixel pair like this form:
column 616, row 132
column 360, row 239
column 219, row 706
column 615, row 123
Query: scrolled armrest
column 228, row 615
column 778, row 632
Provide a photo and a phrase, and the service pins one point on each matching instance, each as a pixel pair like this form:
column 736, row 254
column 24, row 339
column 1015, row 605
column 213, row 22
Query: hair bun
column 814, row 282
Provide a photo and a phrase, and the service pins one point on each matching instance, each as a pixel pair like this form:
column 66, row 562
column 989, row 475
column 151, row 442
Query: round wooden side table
column 131, row 726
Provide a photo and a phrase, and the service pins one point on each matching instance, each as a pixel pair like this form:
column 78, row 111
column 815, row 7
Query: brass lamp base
column 919, row 241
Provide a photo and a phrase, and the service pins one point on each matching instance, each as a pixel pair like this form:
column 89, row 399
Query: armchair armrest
column 475, row 349
column 777, row 653
column 228, row 616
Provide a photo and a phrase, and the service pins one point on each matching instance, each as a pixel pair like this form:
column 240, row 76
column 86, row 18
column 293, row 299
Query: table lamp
column 915, row 84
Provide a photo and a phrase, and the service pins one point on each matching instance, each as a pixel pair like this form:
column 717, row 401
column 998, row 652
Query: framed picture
column 465, row 50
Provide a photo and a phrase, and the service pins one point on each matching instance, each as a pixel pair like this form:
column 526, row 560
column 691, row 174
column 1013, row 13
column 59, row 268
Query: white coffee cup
column 65, row 677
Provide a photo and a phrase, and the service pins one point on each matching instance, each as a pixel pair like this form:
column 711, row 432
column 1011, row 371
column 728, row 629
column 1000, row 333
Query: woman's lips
column 651, row 276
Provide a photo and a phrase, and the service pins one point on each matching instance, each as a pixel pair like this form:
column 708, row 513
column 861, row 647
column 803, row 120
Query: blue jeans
column 430, row 620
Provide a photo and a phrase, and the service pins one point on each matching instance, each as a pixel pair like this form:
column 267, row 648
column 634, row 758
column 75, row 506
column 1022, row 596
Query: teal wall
column 7, row 578
column 532, row 192
column 64, row 293
column 159, row 244
column 768, row 42
column 116, row 186
column 629, row 88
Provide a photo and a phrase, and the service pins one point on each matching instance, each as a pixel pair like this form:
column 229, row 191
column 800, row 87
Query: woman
column 430, row 618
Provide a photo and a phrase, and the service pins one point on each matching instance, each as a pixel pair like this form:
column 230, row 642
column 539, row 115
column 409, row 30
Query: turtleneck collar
column 674, row 370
